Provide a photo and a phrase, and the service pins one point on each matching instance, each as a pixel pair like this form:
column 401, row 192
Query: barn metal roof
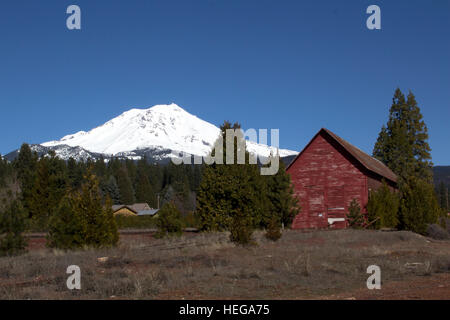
column 370, row 163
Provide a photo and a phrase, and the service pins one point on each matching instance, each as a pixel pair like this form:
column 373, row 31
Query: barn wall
column 326, row 179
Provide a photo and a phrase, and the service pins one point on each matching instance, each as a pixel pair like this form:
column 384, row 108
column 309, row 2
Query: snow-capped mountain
column 154, row 132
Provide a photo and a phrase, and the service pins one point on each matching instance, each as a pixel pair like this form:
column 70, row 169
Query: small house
column 138, row 209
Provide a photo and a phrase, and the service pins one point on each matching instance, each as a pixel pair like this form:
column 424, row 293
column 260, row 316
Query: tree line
column 71, row 200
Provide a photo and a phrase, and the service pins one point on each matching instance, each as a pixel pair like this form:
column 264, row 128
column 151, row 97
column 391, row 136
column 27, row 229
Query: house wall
column 124, row 211
column 326, row 179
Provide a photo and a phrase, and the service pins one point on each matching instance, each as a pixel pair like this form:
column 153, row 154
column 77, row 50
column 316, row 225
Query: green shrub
column 241, row 230
column 383, row 206
column 66, row 227
column 191, row 220
column 135, row 222
column 273, row 231
column 12, row 225
column 169, row 221
column 419, row 206
column 354, row 217
column 83, row 220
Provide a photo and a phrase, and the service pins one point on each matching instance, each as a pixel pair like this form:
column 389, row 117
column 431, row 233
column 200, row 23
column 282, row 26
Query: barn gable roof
column 370, row 163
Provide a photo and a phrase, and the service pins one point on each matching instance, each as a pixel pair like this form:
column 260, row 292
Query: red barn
column 327, row 175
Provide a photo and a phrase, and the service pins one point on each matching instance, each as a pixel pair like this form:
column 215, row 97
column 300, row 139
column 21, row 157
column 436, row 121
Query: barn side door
column 336, row 207
column 317, row 210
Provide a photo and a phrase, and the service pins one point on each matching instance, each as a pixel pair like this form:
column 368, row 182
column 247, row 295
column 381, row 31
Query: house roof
column 150, row 212
column 120, row 206
column 370, row 163
column 140, row 206
column 136, row 208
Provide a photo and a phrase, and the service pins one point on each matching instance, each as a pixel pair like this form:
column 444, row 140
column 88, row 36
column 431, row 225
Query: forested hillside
column 441, row 174
column 44, row 181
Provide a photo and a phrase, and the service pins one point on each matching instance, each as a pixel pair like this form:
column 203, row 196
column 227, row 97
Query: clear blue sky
column 293, row 65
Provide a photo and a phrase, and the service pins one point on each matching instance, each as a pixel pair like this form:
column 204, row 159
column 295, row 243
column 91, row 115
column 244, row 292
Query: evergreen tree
column 100, row 167
column 241, row 228
column 197, row 177
column 383, row 206
column 280, row 194
column 111, row 189
column 4, row 171
column 402, row 145
column 49, row 187
column 131, row 169
column 228, row 190
column 355, row 218
column 101, row 228
column 74, row 173
column 41, row 198
column 273, row 231
column 144, row 190
column 125, row 187
column 67, row 229
column 58, row 179
column 82, row 219
column 443, row 196
column 155, row 176
column 25, row 165
column 12, row 226
column 169, row 221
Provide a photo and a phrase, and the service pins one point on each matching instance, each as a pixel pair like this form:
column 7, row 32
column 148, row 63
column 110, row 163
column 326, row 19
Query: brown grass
column 208, row 266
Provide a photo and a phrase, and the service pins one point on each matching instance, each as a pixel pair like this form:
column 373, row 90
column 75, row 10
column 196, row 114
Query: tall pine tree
column 125, row 187
column 283, row 204
column 67, row 228
column 144, row 190
column 12, row 226
column 25, row 165
column 443, row 196
column 227, row 191
column 403, row 146
column 111, row 189
column 101, row 228
column 403, row 143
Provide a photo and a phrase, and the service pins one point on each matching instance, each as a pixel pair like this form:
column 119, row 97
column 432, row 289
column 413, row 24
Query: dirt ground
column 433, row 287
column 301, row 265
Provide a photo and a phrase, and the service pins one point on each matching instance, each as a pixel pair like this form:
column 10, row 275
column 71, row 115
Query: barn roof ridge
column 370, row 163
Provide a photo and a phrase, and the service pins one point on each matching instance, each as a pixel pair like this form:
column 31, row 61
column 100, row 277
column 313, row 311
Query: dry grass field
column 301, row 265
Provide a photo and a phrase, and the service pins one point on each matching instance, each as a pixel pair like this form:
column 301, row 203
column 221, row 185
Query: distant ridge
column 441, row 174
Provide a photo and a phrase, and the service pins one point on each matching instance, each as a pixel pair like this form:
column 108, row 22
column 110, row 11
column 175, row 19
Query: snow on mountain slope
column 166, row 127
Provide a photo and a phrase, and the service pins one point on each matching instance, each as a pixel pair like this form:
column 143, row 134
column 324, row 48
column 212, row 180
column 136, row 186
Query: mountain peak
column 163, row 127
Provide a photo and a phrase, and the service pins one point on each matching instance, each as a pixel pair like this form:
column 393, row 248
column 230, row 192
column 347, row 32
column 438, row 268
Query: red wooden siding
column 326, row 178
